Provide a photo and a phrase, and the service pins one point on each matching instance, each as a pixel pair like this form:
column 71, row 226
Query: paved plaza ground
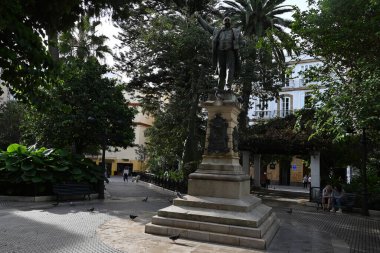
column 69, row 227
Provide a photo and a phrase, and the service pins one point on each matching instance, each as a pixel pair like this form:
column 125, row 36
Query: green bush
column 26, row 166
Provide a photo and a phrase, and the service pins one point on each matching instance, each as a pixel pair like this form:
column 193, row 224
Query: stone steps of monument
column 253, row 218
column 244, row 204
column 229, row 239
column 216, row 228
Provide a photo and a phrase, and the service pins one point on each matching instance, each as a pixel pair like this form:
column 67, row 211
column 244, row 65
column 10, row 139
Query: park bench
column 71, row 189
column 348, row 201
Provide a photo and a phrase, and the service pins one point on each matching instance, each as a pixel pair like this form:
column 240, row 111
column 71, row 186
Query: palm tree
column 267, row 39
column 83, row 42
column 258, row 16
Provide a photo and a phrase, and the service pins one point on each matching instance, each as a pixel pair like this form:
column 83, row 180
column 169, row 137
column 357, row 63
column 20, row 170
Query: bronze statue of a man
column 226, row 42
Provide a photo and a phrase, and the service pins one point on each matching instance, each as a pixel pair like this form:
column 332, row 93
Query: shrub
column 20, row 165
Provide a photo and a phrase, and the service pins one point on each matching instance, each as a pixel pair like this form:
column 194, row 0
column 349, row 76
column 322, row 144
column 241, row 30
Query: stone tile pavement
column 42, row 227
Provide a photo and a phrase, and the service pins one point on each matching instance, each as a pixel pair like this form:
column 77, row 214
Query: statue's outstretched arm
column 204, row 24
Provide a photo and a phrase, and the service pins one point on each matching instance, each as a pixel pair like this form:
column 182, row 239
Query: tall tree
column 28, row 27
column 86, row 109
column 169, row 62
column 83, row 42
column 345, row 34
column 83, row 97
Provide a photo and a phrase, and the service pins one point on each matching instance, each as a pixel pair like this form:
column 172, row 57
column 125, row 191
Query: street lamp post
column 364, row 174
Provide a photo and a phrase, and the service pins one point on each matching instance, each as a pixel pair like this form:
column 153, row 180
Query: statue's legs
column 222, row 55
column 230, row 64
column 226, row 68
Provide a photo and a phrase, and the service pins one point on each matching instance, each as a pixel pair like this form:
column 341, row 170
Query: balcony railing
column 270, row 114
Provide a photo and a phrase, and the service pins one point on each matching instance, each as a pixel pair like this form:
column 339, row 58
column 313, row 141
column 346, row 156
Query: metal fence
column 161, row 181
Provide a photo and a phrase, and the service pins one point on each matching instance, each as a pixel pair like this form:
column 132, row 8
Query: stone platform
column 239, row 222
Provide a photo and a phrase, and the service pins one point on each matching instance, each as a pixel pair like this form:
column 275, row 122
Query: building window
column 308, row 101
column 285, row 106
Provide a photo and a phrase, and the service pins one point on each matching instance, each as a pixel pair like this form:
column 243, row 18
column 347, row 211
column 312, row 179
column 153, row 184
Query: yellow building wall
column 137, row 165
column 273, row 174
column 296, row 175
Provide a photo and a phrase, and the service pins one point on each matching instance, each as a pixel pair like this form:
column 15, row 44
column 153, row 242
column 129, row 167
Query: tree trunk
column 53, row 45
column 190, row 152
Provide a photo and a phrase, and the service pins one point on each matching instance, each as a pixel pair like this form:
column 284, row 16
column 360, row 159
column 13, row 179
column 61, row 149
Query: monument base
column 219, row 207
column 244, row 222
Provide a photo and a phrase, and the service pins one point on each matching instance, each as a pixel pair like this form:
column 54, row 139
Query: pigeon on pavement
column 174, row 237
column 179, row 195
column 132, row 217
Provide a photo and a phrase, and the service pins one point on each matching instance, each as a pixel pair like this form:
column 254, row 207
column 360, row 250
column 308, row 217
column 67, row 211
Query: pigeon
column 290, row 211
column 179, row 195
column 174, row 237
column 91, row 209
column 55, row 204
column 145, row 199
column 132, row 217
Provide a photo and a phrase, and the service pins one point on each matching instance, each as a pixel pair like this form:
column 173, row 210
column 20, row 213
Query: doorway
column 284, row 172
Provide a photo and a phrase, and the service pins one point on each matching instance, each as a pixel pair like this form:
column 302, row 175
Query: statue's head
column 227, row 22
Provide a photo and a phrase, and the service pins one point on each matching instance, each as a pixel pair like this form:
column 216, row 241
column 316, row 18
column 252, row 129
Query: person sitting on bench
column 338, row 194
column 327, row 197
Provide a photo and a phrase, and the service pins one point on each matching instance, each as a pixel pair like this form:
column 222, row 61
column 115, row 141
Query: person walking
column 125, row 174
column 305, row 181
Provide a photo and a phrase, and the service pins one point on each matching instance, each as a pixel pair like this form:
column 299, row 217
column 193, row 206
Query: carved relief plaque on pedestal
column 218, row 138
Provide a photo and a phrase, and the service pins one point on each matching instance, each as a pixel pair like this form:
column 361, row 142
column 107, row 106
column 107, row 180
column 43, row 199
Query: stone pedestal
column 219, row 207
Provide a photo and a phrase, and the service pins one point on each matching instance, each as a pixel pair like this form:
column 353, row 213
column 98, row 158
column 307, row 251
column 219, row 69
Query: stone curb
column 36, row 198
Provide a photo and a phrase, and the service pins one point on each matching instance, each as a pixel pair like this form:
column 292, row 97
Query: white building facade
column 293, row 96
